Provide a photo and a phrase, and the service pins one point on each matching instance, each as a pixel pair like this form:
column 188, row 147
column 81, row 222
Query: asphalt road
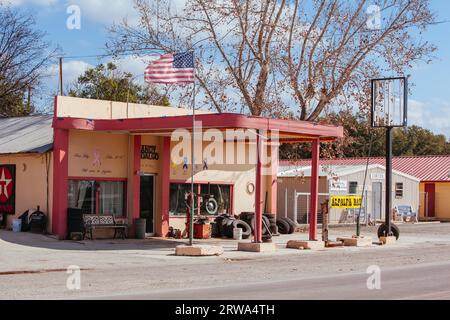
column 416, row 267
column 416, row 282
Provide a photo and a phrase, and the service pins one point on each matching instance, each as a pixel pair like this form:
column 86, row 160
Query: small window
column 399, row 190
column 353, row 187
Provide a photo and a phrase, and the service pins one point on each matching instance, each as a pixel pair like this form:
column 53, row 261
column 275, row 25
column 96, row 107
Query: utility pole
column 61, row 93
column 388, row 214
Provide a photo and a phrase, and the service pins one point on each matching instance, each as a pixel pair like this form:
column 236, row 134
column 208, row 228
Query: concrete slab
column 298, row 244
column 257, row 247
column 356, row 241
column 388, row 240
column 198, row 250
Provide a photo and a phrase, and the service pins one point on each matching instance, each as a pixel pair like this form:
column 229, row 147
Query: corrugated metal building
column 343, row 181
column 432, row 171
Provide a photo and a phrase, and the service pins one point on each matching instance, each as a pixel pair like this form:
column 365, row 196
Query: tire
column 283, row 226
column 246, row 229
column 211, row 206
column 394, row 229
column 264, row 229
column 291, row 223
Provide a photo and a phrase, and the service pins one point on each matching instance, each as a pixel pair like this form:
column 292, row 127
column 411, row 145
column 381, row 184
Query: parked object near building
column 17, row 225
column 37, row 221
column 202, row 228
column 335, row 180
column 75, row 223
column 140, row 228
column 406, row 213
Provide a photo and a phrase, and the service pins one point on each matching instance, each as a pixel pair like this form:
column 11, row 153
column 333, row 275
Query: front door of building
column 377, row 190
column 430, row 191
column 147, row 202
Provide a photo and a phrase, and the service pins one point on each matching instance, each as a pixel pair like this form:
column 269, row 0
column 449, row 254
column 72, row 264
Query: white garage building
column 294, row 190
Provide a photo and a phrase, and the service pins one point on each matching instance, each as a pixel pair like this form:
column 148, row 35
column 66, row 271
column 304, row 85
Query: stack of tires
column 224, row 224
column 285, row 225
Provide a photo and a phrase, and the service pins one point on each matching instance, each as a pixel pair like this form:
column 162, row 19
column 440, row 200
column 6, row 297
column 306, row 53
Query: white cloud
column 106, row 11
column 71, row 71
column 28, row 2
column 134, row 65
column 109, row 11
column 432, row 115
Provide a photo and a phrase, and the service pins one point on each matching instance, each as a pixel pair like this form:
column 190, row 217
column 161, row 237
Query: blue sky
column 429, row 104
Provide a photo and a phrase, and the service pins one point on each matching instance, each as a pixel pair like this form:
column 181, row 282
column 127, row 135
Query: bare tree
column 24, row 58
column 286, row 58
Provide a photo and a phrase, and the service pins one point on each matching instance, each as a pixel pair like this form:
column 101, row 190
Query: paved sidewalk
column 27, row 251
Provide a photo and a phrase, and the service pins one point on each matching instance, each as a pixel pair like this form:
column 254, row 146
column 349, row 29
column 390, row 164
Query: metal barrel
column 140, row 226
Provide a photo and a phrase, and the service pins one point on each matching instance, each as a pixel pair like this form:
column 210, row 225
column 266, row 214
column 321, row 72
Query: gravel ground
column 33, row 266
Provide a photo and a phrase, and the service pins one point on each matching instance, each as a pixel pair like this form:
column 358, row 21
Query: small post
column 325, row 213
column 295, row 206
column 258, row 178
column 358, row 226
column 61, row 76
column 285, row 203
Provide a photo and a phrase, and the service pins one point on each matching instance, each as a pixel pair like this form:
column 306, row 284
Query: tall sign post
column 389, row 111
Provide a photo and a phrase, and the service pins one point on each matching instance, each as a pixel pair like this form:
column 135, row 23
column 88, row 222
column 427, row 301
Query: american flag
column 171, row 68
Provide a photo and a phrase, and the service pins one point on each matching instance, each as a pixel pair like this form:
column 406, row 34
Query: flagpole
column 191, row 218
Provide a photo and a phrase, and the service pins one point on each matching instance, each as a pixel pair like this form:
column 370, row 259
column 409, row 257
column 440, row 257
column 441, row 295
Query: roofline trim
column 216, row 120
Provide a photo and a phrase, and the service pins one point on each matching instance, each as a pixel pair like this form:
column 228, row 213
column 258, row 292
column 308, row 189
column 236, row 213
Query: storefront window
column 98, row 197
column 82, row 196
column 221, row 193
column 178, row 191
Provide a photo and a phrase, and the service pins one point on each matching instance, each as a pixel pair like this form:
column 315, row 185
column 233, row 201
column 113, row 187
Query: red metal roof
column 425, row 168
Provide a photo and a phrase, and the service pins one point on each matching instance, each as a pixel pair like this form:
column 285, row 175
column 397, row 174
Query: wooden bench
column 405, row 211
column 95, row 222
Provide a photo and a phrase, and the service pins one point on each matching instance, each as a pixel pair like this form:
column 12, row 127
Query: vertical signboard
column 7, row 189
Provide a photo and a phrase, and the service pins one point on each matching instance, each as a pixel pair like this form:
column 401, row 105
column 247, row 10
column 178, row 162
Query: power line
column 107, row 55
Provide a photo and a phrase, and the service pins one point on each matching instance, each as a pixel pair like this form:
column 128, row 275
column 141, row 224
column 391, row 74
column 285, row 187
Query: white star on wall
column 4, row 183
